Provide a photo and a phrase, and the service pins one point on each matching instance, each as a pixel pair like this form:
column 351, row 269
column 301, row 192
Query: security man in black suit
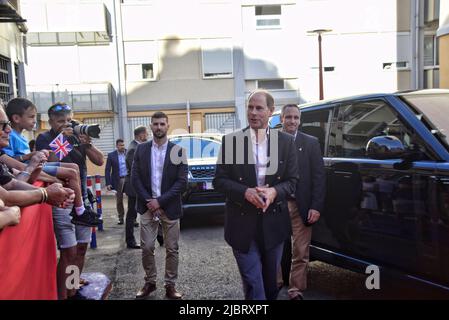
column 256, row 170
column 140, row 136
column 307, row 203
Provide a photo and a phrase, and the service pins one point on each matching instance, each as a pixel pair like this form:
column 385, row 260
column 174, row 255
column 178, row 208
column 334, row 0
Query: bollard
column 99, row 206
column 93, row 241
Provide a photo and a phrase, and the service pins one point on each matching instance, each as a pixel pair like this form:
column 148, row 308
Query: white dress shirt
column 157, row 167
column 260, row 152
column 122, row 164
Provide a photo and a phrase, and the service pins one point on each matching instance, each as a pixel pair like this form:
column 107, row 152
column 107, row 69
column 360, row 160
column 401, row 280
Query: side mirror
column 385, row 147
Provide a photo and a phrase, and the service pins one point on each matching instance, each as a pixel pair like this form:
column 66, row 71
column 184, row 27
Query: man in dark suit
column 140, row 136
column 307, row 203
column 159, row 174
column 256, row 170
column 115, row 173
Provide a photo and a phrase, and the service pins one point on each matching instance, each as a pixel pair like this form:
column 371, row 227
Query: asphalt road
column 207, row 270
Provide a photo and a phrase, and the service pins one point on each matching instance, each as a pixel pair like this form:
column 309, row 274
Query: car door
column 316, row 121
column 376, row 211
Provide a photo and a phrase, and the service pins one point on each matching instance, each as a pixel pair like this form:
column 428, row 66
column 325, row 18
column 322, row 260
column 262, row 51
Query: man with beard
column 159, row 174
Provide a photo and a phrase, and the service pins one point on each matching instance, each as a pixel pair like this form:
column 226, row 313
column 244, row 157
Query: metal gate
column 133, row 122
column 106, row 142
column 223, row 122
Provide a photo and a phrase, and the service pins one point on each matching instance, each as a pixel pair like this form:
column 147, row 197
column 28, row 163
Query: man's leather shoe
column 171, row 293
column 133, row 246
column 136, row 224
column 120, row 222
column 146, row 290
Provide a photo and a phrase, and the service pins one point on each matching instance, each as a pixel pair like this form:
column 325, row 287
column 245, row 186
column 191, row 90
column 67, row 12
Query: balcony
column 83, row 24
column 91, row 97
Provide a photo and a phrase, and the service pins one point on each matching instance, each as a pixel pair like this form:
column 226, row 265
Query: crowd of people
column 267, row 204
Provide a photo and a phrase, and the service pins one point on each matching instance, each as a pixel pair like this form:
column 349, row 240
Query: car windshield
column 198, row 147
column 275, row 121
column 435, row 107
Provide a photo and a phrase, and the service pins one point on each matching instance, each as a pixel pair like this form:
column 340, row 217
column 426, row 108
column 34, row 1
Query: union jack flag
column 60, row 146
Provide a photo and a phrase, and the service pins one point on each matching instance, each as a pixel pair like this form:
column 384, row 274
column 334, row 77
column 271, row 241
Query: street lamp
column 320, row 62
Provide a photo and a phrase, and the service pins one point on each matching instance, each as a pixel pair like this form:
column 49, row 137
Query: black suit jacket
column 174, row 179
column 232, row 179
column 128, row 188
column 112, row 170
column 311, row 186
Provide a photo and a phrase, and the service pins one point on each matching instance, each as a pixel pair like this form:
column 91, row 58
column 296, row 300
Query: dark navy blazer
column 174, row 179
column 232, row 179
column 112, row 170
column 311, row 186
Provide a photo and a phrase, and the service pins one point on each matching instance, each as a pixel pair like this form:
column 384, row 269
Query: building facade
column 118, row 61
column 12, row 59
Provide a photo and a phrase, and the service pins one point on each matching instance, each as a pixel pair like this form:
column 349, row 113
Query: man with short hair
column 14, row 192
column 256, row 170
column 307, row 203
column 72, row 240
column 115, row 174
column 159, row 174
column 140, row 136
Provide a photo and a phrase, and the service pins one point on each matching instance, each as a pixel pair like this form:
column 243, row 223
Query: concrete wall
column 71, row 64
column 74, row 63
column 443, row 33
column 364, row 37
column 179, row 78
column 177, row 35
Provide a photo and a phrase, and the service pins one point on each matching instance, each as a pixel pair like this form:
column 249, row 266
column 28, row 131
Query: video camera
column 91, row 130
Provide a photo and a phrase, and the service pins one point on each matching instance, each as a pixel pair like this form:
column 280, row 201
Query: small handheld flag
column 60, row 146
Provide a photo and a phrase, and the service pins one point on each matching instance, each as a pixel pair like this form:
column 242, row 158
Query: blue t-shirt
column 18, row 145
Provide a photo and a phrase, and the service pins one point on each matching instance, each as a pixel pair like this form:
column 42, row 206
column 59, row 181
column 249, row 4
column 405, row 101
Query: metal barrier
column 93, row 243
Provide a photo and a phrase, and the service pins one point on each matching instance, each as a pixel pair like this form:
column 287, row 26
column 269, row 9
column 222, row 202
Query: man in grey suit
column 140, row 136
column 307, row 203
column 256, row 170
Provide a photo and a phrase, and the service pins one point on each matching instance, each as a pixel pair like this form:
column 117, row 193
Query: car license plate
column 209, row 185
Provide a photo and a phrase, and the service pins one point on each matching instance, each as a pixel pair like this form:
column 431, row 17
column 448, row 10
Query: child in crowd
column 22, row 115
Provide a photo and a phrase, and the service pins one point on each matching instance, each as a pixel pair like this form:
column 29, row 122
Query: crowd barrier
column 28, row 256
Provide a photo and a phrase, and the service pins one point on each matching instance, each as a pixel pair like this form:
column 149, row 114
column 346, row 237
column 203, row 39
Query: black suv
column 387, row 166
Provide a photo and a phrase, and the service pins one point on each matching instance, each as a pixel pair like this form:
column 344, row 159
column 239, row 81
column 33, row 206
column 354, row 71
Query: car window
column 433, row 105
column 275, row 121
column 316, row 123
column 198, row 147
column 358, row 122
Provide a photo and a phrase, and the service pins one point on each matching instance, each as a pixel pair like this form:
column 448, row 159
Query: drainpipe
column 415, row 44
column 121, row 116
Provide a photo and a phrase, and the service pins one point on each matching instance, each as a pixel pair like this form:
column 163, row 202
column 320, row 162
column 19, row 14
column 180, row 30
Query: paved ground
column 208, row 270
column 202, row 276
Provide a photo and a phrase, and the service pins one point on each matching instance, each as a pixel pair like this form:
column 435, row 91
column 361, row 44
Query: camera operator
column 72, row 240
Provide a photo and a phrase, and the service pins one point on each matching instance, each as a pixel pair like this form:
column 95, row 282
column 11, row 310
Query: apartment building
column 443, row 43
column 119, row 61
column 12, row 29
